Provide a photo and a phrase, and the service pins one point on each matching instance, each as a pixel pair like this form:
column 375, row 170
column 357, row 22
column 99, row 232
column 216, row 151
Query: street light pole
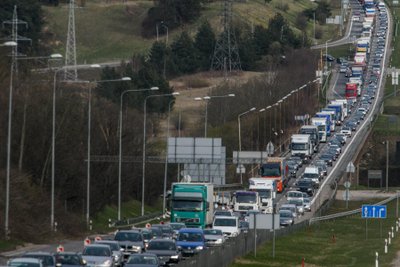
column 9, row 144
column 240, row 137
column 166, row 159
column 89, row 138
column 207, row 98
column 387, row 165
column 120, row 142
column 144, row 145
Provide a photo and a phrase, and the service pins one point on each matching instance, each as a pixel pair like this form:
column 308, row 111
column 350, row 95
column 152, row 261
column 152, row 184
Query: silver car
column 115, row 249
column 23, row 262
column 214, row 237
column 97, row 255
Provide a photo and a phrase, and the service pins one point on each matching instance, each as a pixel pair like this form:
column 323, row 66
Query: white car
column 346, row 131
column 229, row 225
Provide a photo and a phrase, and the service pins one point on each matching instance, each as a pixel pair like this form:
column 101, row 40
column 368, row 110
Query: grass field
column 129, row 209
column 316, row 244
column 388, row 124
column 109, row 32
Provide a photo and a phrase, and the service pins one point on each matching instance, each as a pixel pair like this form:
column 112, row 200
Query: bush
column 197, row 83
column 283, row 6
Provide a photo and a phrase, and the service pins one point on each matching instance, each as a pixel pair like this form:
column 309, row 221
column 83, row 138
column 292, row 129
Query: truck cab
column 312, row 130
column 244, row 201
column 266, row 190
column 192, row 204
column 301, row 145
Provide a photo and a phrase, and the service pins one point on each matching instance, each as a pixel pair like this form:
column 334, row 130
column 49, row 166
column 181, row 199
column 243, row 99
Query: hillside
column 111, row 31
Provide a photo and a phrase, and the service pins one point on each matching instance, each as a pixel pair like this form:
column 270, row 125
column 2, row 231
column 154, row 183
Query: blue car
column 190, row 241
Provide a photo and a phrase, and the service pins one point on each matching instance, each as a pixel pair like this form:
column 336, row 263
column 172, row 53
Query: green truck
column 192, row 204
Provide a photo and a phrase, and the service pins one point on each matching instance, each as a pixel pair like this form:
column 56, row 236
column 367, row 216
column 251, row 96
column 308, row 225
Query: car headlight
column 179, row 247
column 136, row 247
column 175, row 257
column 218, row 241
column 116, row 257
column 234, row 234
column 107, row 262
column 199, row 248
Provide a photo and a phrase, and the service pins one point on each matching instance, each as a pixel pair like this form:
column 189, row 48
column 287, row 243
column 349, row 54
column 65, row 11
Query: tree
column 27, row 10
column 158, row 57
column 261, row 40
column 183, row 54
column 205, row 45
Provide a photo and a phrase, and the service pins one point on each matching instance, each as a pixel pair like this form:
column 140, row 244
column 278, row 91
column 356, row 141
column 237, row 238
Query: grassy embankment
column 108, row 32
column 316, row 244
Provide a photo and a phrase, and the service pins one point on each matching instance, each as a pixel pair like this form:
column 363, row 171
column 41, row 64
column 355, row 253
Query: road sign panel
column 372, row 211
column 347, row 184
column 350, row 167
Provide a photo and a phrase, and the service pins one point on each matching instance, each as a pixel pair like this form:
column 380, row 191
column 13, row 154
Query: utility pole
column 71, row 74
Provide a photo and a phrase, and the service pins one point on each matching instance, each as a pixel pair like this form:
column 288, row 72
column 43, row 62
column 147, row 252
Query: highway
column 349, row 151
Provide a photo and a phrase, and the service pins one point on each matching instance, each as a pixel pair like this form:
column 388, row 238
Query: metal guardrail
column 132, row 221
column 346, row 213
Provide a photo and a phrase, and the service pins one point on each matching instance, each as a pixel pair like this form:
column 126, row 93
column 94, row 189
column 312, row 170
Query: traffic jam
column 202, row 218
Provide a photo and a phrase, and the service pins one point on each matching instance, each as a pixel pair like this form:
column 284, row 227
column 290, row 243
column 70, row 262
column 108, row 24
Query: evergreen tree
column 158, row 56
column 205, row 45
column 183, row 54
column 261, row 40
column 27, row 10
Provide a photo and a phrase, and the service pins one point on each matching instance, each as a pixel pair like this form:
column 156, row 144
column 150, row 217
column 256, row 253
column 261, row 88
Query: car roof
column 97, row 245
column 288, row 205
column 27, row 259
column 192, row 230
column 106, row 241
column 41, row 253
column 130, row 231
column 226, row 217
column 162, row 240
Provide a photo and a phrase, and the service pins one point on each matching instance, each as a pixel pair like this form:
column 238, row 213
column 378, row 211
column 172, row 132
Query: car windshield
column 161, row 245
column 311, row 175
column 177, row 226
column 285, row 214
column 187, row 205
column 16, row 263
column 46, row 259
column 225, row 222
column 271, row 169
column 297, row 202
column 212, row 232
column 193, row 237
column 128, row 236
column 97, row 251
column 222, row 213
column 156, row 232
column 147, row 235
column 143, row 260
column 165, row 229
column 113, row 246
column 68, row 259
column 246, row 198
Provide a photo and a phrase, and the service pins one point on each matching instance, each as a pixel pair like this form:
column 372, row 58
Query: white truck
column 312, row 130
column 301, row 145
column 244, row 201
column 321, row 123
column 266, row 189
column 312, row 173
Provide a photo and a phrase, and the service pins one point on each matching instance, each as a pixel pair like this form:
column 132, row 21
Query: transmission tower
column 14, row 37
column 226, row 53
column 71, row 73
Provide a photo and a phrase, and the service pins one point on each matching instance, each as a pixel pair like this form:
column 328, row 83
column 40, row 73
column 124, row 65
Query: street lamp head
column 280, row 101
column 175, row 93
column 253, row 108
column 207, row 97
column 154, row 88
column 95, row 66
column 9, row 43
column 231, row 95
column 268, row 107
column 56, row 56
column 126, row 79
column 198, row 98
column 262, row 110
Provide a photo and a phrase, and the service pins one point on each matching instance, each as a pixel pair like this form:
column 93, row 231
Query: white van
column 294, row 195
column 229, row 225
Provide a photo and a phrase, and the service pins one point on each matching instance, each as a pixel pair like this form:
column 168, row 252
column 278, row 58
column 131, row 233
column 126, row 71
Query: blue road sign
column 371, row 211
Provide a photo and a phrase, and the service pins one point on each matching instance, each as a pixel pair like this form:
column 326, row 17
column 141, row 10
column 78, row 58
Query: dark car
column 327, row 158
column 328, row 57
column 70, row 259
column 166, row 229
column 166, row 251
column 48, row 259
column 130, row 241
column 142, row 260
column 244, row 226
column 306, row 185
